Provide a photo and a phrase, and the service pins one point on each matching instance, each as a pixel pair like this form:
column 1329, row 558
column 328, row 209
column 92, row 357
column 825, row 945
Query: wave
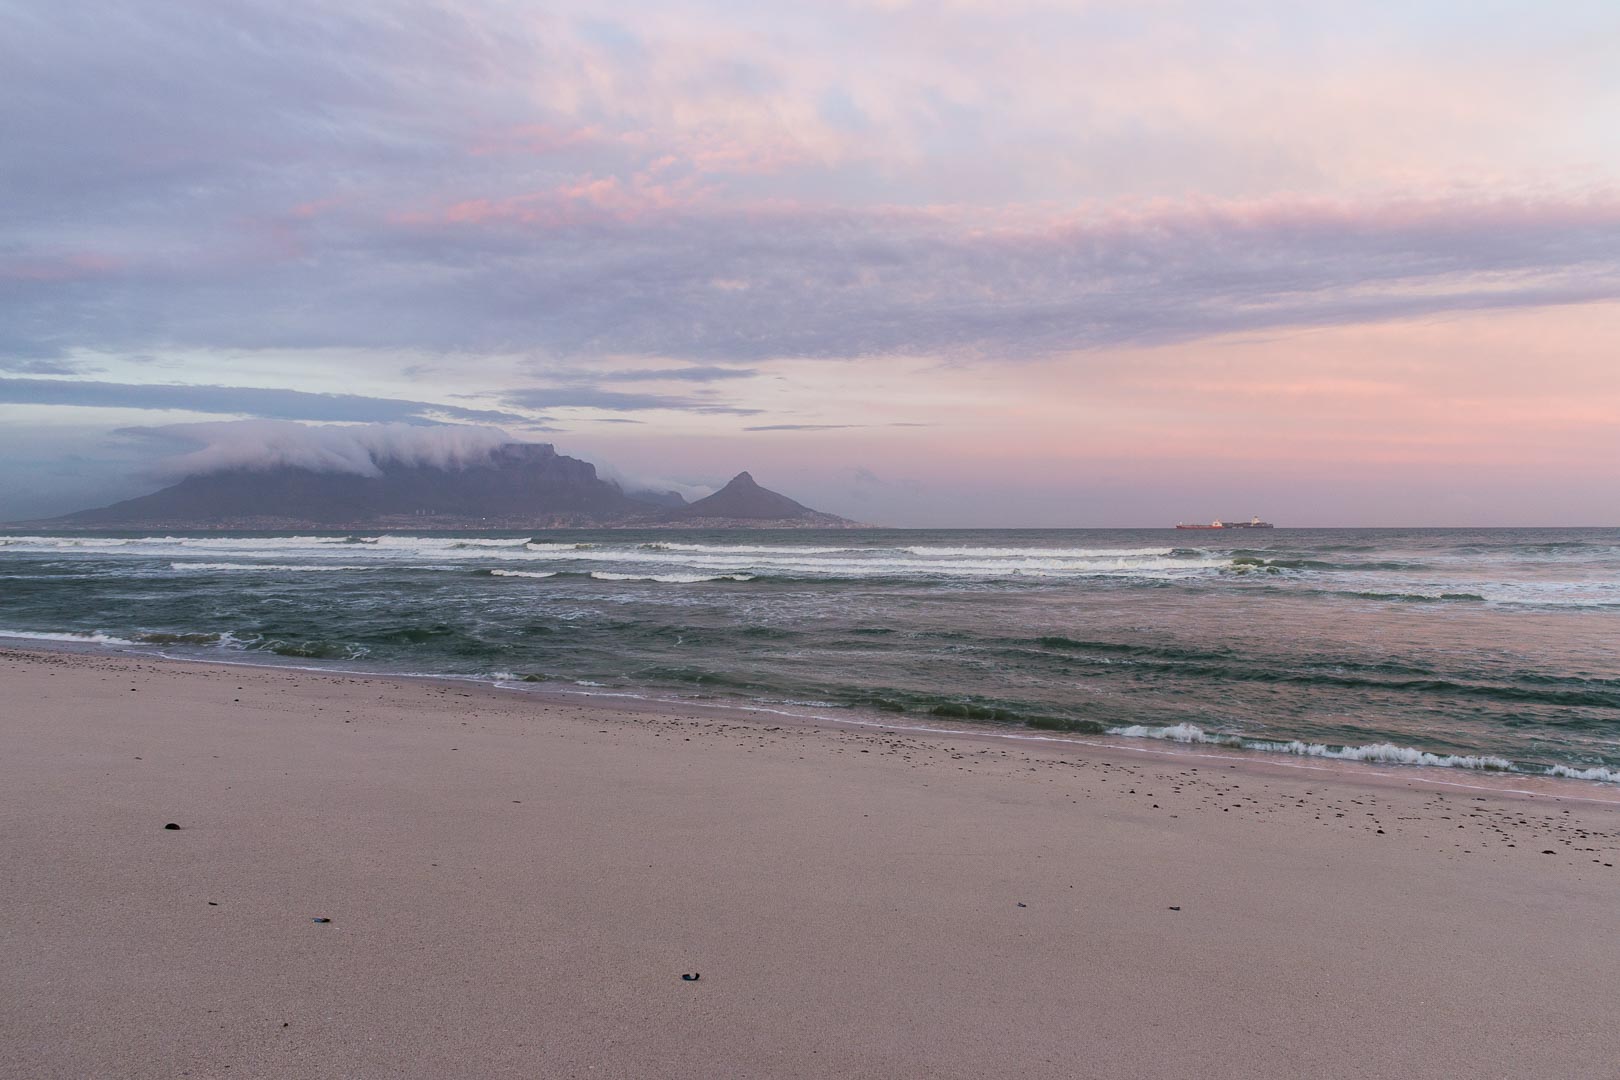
column 885, row 562
column 159, row 637
column 1382, row 753
column 311, row 649
column 1253, row 559
column 87, row 637
column 523, row 573
column 669, row 579
column 294, row 567
column 1596, row 772
column 474, row 545
column 927, row 551
column 1387, row 575
column 1249, row 563
column 1411, row 598
column 1226, row 666
column 748, row 549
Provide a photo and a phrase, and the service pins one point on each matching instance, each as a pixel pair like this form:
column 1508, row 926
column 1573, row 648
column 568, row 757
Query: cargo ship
column 1252, row 523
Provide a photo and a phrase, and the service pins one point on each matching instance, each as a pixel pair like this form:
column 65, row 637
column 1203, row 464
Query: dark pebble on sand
column 692, row 977
column 320, row 919
column 1549, row 851
column 1022, row 904
column 171, row 825
column 1173, row 907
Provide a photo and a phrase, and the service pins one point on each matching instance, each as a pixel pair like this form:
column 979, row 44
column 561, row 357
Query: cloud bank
column 723, row 185
column 361, row 449
column 267, row 402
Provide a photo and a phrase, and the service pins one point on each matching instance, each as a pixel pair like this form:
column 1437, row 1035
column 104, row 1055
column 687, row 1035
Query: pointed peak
column 742, row 480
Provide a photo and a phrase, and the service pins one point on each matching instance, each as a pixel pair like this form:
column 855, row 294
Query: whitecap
column 669, row 579
column 1385, row 753
column 1596, row 772
column 88, row 637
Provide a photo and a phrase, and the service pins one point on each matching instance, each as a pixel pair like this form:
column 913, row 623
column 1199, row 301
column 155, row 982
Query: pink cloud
column 587, row 200
column 61, row 268
column 543, row 139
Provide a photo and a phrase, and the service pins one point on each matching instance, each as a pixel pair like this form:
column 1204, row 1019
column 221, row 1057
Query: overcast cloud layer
column 508, row 213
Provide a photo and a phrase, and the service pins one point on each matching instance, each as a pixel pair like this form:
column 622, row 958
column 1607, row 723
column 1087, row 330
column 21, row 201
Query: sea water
column 1494, row 649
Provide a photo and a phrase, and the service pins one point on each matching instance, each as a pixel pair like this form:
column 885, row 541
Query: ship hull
column 1232, row 525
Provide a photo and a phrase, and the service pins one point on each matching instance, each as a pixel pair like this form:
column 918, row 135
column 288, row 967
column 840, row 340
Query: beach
column 517, row 882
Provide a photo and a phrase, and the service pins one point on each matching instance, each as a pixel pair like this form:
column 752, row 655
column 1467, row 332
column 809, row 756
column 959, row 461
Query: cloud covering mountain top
column 361, row 449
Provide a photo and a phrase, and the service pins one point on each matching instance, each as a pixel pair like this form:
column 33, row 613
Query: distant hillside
column 743, row 503
column 522, row 485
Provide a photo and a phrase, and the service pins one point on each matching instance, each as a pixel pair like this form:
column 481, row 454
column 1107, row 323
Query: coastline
column 516, row 881
column 1350, row 645
column 1241, row 752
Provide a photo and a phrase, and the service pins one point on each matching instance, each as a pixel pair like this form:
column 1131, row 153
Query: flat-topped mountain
column 519, row 485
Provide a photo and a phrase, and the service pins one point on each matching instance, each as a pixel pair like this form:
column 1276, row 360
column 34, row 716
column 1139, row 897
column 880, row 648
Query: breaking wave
column 1357, row 647
column 278, row 567
column 669, row 579
column 87, row 637
column 1381, row 753
column 1597, row 772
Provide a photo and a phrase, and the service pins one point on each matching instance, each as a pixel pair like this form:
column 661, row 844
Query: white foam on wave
column 1583, row 587
column 87, row 638
column 1182, row 733
column 669, row 579
column 54, row 543
column 751, row 549
column 889, row 562
column 929, row 551
column 1382, row 753
column 382, row 549
column 1596, row 772
column 523, row 573
column 667, row 558
column 295, row 567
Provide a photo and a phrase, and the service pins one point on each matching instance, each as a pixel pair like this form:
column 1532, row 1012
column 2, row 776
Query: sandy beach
column 517, row 882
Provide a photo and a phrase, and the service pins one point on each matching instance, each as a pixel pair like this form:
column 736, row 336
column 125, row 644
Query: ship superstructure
column 1252, row 523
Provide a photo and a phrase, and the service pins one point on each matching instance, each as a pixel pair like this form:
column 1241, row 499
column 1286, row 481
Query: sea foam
column 1596, row 772
column 1384, row 753
column 88, row 638
column 669, row 579
column 295, row 567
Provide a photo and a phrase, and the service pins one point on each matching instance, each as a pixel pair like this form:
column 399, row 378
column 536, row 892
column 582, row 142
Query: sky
column 956, row 263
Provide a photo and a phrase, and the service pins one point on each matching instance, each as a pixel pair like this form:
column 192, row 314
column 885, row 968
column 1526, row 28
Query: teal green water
column 1491, row 649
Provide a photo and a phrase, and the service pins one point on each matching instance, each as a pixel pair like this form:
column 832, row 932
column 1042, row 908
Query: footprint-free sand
column 517, row 882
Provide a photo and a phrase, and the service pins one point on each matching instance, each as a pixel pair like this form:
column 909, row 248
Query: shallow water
column 1495, row 649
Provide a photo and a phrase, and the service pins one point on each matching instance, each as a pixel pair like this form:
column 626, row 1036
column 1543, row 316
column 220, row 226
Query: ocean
column 1492, row 649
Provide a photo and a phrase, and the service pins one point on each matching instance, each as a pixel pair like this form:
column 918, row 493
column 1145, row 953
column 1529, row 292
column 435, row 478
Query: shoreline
column 516, row 883
column 1374, row 772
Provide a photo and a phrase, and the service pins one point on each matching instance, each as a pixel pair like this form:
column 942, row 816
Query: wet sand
column 517, row 882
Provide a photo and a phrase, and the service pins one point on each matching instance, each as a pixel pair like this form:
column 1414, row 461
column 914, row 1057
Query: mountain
column 664, row 500
column 742, row 503
column 522, row 485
